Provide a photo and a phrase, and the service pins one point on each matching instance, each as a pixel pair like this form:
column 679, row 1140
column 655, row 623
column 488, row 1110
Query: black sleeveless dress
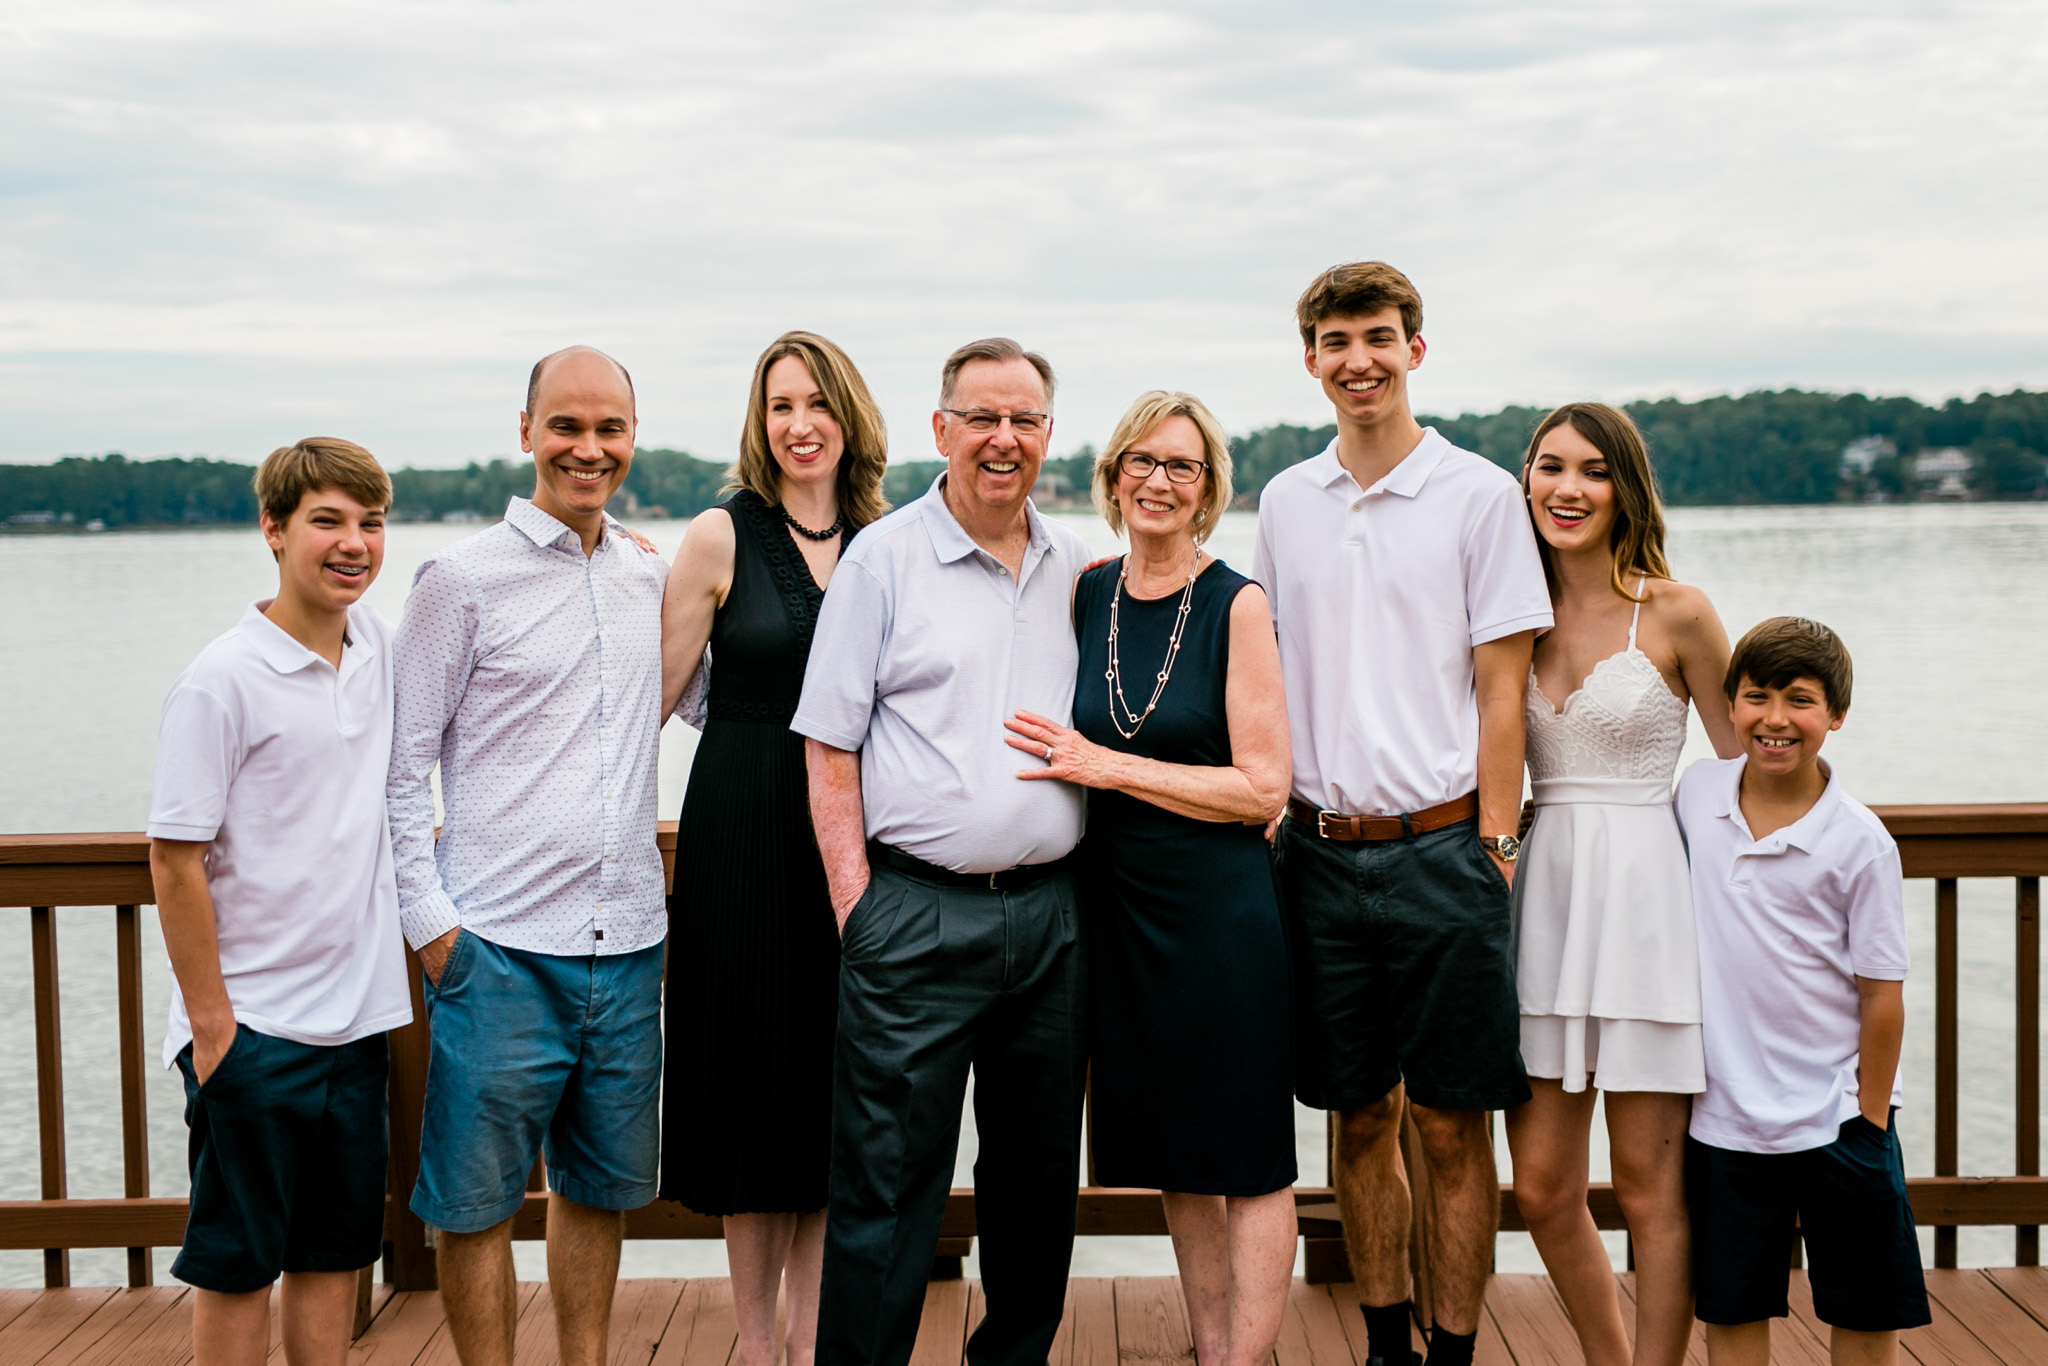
column 753, row 980
column 1192, row 1070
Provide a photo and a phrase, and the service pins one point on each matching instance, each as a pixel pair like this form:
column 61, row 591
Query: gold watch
column 1504, row 847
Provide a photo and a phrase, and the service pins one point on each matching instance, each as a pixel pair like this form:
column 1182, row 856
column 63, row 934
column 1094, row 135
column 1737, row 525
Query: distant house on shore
column 1943, row 471
column 1859, row 455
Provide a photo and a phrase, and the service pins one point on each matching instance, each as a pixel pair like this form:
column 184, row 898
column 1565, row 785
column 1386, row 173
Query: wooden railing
column 45, row 872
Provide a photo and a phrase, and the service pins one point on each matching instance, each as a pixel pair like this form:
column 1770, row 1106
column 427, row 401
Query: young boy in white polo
column 1802, row 928
column 279, row 905
column 1407, row 593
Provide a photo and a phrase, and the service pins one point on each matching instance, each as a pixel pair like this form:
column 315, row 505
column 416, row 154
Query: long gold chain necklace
column 1115, row 673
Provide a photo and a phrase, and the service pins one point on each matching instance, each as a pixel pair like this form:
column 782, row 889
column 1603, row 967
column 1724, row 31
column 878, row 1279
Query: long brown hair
column 1637, row 538
column 852, row 407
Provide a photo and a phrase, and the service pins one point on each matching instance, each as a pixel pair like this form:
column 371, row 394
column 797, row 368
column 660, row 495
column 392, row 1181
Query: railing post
column 408, row 1261
column 1421, row 1219
column 2027, row 1054
column 134, row 1094
column 49, row 1078
column 1945, row 1053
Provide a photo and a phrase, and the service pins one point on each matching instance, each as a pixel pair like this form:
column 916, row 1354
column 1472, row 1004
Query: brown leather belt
column 1335, row 825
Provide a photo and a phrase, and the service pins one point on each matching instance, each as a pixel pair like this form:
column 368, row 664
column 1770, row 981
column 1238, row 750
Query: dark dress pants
column 934, row 980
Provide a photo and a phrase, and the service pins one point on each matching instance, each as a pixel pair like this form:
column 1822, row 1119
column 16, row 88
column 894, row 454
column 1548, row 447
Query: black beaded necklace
column 800, row 529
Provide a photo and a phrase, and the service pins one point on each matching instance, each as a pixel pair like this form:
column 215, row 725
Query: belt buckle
column 992, row 883
column 1323, row 823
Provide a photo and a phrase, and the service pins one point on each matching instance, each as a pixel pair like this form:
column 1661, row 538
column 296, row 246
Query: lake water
column 1942, row 606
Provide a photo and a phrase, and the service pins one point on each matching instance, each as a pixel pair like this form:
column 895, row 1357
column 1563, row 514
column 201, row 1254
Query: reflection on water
column 1942, row 607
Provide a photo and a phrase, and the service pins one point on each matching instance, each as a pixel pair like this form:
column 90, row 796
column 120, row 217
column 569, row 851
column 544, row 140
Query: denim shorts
column 1847, row 1200
column 288, row 1157
column 1403, row 970
column 539, row 1052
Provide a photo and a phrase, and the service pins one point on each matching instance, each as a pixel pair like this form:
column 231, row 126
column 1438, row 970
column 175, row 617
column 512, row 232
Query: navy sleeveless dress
column 1192, row 1070
column 753, row 976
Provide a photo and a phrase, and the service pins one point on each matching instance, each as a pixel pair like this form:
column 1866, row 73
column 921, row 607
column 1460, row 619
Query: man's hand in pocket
column 434, row 955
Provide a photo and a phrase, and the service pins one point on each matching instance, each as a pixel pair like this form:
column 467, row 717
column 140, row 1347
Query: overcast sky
column 225, row 226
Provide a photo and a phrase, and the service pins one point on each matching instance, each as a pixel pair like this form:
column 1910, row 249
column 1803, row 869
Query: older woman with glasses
column 1181, row 727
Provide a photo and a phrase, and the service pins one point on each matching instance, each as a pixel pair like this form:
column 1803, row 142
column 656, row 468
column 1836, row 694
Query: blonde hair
column 852, row 407
column 1637, row 539
column 291, row 472
column 1142, row 419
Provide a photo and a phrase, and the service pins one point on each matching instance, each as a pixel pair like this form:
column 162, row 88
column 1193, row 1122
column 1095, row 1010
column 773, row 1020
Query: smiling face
column 803, row 436
column 994, row 470
column 1571, row 494
column 580, row 433
column 1155, row 505
column 328, row 551
column 1363, row 364
column 1781, row 729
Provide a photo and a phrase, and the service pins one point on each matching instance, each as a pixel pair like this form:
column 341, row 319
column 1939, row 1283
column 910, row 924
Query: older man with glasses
column 959, row 933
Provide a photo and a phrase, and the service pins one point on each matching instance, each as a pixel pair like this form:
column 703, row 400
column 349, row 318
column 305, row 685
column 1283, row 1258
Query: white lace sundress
column 1607, row 966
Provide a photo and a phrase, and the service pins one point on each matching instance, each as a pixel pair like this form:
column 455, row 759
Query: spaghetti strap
column 1637, row 615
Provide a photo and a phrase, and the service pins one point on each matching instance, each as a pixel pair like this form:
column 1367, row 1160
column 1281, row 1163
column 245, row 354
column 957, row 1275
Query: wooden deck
column 1997, row 1317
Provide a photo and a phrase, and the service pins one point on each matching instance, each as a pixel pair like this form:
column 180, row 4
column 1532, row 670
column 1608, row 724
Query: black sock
column 1450, row 1349
column 1387, row 1333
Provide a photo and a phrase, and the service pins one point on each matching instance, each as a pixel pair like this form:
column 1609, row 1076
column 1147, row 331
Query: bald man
column 529, row 668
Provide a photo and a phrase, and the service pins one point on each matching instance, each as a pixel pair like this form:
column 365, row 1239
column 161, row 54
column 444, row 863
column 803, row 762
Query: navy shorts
column 1847, row 1200
column 539, row 1052
column 288, row 1160
column 1403, row 970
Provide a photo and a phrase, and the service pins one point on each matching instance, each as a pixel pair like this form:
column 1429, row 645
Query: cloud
column 226, row 225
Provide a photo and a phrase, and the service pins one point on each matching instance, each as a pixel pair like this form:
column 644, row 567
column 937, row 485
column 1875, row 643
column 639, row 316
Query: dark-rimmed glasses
column 1139, row 465
column 983, row 421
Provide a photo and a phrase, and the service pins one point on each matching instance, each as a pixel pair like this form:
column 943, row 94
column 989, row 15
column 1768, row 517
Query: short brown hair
column 852, row 407
column 1357, row 290
column 1637, row 539
column 998, row 350
column 1142, row 419
column 1772, row 653
column 291, row 472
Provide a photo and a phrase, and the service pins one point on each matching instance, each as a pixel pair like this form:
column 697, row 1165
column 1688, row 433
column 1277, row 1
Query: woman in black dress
column 1181, row 726
column 753, row 951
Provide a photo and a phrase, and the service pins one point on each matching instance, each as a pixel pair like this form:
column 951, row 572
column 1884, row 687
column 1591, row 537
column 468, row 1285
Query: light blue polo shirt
column 924, row 647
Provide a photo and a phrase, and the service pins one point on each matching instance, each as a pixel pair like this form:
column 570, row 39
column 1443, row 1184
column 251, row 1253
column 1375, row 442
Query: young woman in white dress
column 1607, row 965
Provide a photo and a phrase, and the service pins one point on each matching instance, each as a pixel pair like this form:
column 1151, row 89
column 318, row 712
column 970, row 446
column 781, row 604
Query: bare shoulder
column 710, row 536
column 1249, row 607
column 1678, row 608
column 706, row 556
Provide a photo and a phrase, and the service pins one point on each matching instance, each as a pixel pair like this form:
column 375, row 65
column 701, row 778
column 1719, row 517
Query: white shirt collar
column 1803, row 834
column 544, row 530
column 282, row 651
column 1404, row 480
column 951, row 540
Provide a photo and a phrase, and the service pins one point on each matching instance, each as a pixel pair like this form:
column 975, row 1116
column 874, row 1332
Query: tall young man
column 959, row 932
column 529, row 670
column 274, row 884
column 1407, row 594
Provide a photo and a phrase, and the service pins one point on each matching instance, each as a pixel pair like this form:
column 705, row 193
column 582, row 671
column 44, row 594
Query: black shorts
column 288, row 1157
column 1403, row 970
column 1848, row 1201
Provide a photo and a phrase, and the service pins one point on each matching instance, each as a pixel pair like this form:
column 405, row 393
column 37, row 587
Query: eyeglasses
column 983, row 421
column 1139, row 465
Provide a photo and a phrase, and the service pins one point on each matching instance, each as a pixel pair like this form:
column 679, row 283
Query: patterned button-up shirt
column 532, row 675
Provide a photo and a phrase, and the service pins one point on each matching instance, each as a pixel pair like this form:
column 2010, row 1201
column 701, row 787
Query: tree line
column 1768, row 447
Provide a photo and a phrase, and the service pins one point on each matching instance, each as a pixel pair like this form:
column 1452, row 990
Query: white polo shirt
column 926, row 644
column 1379, row 596
column 1786, row 926
column 279, row 759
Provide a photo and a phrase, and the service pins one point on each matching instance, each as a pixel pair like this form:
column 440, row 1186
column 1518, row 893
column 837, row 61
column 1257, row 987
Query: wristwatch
column 1505, row 847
